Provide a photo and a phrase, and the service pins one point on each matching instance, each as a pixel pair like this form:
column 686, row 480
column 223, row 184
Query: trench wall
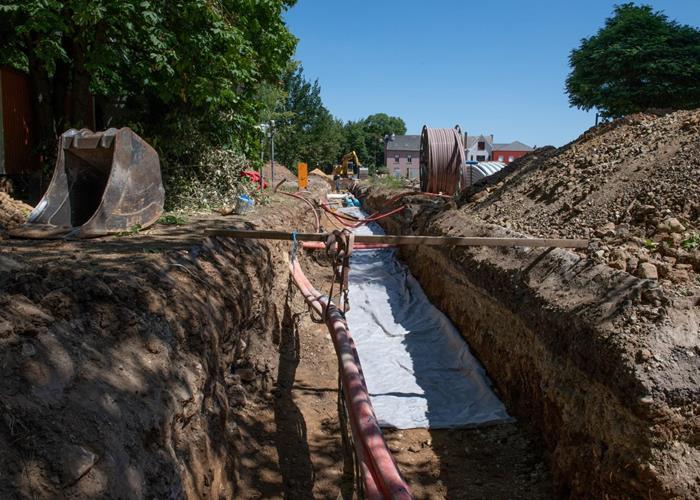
column 123, row 370
column 552, row 330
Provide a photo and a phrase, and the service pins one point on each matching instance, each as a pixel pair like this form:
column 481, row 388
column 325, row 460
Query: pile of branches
column 214, row 182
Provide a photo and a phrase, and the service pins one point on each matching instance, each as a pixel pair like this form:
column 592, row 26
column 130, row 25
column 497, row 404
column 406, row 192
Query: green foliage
column 182, row 73
column 214, row 182
column 650, row 244
column 366, row 137
column 355, row 139
column 133, row 230
column 691, row 243
column 172, row 220
column 639, row 60
column 305, row 130
column 376, row 127
column 387, row 181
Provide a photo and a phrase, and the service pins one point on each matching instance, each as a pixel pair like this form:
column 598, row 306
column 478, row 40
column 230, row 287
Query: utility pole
column 263, row 127
column 272, row 151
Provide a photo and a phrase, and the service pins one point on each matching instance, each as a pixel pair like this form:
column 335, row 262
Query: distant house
column 402, row 155
column 479, row 147
column 402, row 152
column 506, row 153
column 482, row 148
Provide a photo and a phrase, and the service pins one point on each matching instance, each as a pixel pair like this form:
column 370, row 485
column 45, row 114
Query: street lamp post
column 272, row 150
column 263, row 127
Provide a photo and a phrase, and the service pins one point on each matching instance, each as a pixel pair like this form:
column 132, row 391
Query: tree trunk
column 61, row 84
column 42, row 98
column 80, row 90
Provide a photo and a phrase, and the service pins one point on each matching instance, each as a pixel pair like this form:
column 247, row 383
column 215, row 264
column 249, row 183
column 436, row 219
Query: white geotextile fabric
column 419, row 370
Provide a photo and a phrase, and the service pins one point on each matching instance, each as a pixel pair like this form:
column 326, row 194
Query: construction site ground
column 158, row 364
column 602, row 344
column 165, row 364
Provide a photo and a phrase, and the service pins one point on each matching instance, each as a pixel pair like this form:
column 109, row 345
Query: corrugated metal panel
column 17, row 123
column 482, row 170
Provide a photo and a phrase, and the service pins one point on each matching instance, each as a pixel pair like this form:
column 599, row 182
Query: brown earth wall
column 126, row 361
column 600, row 361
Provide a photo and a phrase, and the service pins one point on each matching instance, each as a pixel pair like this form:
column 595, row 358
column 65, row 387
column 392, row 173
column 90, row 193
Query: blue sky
column 492, row 67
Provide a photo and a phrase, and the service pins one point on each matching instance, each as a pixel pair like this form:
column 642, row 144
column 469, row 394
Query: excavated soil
column 128, row 363
column 632, row 186
column 167, row 365
column 604, row 361
column 12, row 212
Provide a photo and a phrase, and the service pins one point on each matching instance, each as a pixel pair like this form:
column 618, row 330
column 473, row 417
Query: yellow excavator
column 349, row 165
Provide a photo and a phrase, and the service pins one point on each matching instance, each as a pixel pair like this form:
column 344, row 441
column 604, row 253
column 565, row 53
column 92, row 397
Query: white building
column 479, row 147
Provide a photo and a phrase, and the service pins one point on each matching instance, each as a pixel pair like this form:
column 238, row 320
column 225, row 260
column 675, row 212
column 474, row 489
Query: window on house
column 500, row 158
column 396, row 158
column 510, row 159
column 482, row 145
column 409, row 159
column 397, row 172
column 480, row 158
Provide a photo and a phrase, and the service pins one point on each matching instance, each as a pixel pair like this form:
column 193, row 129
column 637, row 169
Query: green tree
column 377, row 127
column 639, row 60
column 366, row 137
column 305, row 131
column 183, row 73
column 355, row 139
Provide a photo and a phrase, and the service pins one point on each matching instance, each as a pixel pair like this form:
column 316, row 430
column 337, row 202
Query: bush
column 215, row 181
column 387, row 181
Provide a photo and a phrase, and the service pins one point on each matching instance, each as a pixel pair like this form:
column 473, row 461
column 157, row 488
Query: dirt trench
column 601, row 363
column 133, row 367
column 166, row 365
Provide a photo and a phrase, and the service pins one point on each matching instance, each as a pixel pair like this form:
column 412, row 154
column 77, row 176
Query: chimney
column 491, row 139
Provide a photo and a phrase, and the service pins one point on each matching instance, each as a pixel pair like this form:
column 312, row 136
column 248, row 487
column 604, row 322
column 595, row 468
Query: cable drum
column 441, row 160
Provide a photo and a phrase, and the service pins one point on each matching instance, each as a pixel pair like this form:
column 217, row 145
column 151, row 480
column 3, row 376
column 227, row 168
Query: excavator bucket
column 104, row 182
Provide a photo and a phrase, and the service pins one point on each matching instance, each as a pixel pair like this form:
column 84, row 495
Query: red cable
column 359, row 222
column 381, row 475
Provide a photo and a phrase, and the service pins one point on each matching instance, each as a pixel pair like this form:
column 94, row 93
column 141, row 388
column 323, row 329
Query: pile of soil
column 281, row 172
column 603, row 361
column 12, row 212
column 630, row 185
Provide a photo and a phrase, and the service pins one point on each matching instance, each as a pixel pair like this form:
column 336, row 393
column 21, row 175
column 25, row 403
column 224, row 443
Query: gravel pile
column 632, row 186
column 12, row 212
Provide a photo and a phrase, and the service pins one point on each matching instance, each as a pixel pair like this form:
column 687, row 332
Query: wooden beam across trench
column 406, row 240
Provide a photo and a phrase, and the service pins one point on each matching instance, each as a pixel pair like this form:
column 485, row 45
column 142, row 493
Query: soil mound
column 630, row 185
column 281, row 172
column 12, row 212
